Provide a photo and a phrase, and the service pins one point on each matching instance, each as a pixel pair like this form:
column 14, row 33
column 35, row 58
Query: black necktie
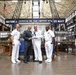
column 30, row 33
column 34, row 33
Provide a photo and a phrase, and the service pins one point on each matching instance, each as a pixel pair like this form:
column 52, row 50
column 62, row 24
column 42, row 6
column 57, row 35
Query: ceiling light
column 14, row 0
column 57, row 0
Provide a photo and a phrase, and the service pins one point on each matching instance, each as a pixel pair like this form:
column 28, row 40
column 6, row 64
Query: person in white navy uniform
column 15, row 36
column 36, row 40
column 49, row 36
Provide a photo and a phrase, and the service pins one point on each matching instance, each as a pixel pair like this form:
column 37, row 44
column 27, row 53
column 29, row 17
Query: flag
column 4, row 9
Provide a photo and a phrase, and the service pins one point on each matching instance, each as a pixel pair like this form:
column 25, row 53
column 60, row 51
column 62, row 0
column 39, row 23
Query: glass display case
column 5, row 42
column 64, row 41
column 4, row 34
column 64, row 36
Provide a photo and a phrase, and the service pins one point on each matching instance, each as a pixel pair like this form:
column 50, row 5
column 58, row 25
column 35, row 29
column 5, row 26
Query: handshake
column 33, row 38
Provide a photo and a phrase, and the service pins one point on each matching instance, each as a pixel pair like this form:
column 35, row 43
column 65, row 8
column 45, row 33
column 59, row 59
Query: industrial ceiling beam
column 18, row 8
column 53, row 9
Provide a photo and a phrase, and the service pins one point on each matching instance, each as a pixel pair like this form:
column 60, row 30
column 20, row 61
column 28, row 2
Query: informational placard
column 42, row 20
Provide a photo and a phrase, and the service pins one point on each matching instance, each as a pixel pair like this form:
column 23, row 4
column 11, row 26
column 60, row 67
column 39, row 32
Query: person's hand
column 13, row 43
column 19, row 43
column 51, row 42
column 30, row 38
column 35, row 38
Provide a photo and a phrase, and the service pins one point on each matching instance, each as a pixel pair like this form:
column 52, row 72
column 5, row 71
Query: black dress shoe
column 40, row 62
column 25, row 61
column 28, row 60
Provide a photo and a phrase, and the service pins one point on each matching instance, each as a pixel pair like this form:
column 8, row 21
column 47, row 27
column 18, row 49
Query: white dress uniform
column 48, row 35
column 37, row 45
column 15, row 49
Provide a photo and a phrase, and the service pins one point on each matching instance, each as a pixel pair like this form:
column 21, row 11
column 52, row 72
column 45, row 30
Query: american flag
column 5, row 7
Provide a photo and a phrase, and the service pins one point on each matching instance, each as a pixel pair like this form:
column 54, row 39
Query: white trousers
column 49, row 50
column 15, row 50
column 37, row 51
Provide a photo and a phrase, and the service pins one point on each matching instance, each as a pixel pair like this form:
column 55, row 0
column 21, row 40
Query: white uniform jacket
column 48, row 35
column 38, row 35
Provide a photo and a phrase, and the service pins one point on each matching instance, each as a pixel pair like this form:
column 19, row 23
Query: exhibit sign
column 39, row 20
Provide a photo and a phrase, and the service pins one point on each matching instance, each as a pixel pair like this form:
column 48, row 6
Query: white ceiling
column 64, row 9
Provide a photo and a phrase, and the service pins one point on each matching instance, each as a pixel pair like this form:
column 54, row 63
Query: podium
column 21, row 50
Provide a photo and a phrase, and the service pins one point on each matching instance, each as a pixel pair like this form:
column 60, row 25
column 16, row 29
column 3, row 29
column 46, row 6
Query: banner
column 41, row 20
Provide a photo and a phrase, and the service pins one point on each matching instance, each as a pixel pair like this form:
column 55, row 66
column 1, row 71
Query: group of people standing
column 32, row 39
